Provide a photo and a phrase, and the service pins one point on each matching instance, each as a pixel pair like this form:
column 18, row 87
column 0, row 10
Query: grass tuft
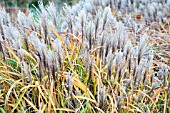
column 97, row 56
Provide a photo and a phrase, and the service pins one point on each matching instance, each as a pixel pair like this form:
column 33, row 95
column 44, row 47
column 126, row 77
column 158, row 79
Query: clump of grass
column 95, row 61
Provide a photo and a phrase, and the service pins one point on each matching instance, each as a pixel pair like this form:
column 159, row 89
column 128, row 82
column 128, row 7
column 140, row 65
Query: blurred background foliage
column 26, row 6
column 28, row 3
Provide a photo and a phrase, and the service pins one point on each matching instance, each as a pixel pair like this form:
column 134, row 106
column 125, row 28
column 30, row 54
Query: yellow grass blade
column 40, row 91
column 85, row 98
column 136, row 108
column 27, row 87
column 111, row 100
column 79, row 84
column 55, row 32
column 64, row 109
column 19, row 100
column 12, row 73
column 30, row 103
column 29, row 55
column 51, row 95
column 9, row 91
column 15, row 56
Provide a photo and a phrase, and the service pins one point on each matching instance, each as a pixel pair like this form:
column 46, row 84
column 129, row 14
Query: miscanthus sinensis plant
column 81, row 59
